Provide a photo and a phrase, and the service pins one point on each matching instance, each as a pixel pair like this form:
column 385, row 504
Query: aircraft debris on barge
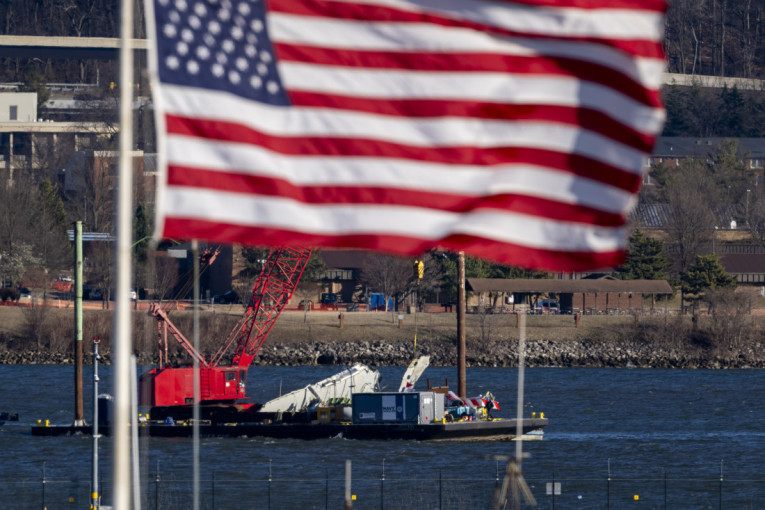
column 346, row 404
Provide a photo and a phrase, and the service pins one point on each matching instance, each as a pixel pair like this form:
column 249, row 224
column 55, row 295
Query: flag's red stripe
column 339, row 146
column 338, row 194
column 374, row 13
column 505, row 253
column 591, row 120
column 638, row 5
column 473, row 62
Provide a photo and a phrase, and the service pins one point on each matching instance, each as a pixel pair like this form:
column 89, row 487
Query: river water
column 617, row 438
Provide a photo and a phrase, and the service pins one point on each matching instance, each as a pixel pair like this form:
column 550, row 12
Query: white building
column 18, row 106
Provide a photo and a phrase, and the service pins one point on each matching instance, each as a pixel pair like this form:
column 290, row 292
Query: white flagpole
column 519, row 406
column 122, row 335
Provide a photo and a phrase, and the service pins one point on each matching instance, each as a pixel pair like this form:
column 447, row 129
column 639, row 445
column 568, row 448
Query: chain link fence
column 435, row 491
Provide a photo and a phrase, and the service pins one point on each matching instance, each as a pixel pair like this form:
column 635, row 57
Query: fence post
column 44, row 481
column 440, row 491
column 496, row 477
column 553, row 491
column 269, row 484
column 608, row 487
column 721, row 482
column 156, row 488
column 382, row 487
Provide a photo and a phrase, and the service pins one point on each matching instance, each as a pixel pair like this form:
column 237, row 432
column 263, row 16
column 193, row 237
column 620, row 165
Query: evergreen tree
column 142, row 229
column 704, row 275
column 729, row 172
column 734, row 115
column 35, row 82
column 253, row 261
column 51, row 241
column 646, row 259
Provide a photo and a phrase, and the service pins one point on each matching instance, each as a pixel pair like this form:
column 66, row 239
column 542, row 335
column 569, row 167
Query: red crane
column 219, row 382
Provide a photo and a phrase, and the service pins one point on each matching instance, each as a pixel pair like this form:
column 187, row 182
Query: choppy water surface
column 665, row 437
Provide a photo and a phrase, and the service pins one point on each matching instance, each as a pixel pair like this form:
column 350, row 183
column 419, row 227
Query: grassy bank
column 50, row 331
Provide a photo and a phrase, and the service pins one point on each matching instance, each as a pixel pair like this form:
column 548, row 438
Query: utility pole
column 461, row 384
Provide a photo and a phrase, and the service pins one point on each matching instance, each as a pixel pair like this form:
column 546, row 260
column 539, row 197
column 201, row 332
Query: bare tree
column 15, row 214
column 100, row 269
column 755, row 217
column 165, row 276
column 388, row 274
column 690, row 220
column 37, row 323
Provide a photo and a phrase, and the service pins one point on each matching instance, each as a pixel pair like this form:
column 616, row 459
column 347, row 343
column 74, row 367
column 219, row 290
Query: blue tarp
column 377, row 302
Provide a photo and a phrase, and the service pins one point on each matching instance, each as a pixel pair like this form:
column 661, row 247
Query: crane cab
column 175, row 386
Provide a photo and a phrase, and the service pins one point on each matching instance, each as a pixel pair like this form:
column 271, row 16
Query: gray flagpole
column 121, row 472
column 195, row 411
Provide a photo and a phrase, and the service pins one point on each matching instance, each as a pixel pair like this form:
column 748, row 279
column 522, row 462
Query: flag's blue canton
column 218, row 44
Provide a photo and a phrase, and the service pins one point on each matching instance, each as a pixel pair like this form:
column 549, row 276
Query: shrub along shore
column 300, row 339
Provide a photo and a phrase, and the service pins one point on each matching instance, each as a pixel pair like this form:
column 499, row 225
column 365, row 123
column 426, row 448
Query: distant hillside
column 717, row 37
column 703, row 37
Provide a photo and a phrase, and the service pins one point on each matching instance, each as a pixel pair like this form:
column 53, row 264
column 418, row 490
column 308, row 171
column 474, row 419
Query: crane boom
column 270, row 294
column 167, row 386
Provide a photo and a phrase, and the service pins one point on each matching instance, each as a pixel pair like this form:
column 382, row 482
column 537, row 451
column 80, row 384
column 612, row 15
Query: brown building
column 670, row 151
column 590, row 296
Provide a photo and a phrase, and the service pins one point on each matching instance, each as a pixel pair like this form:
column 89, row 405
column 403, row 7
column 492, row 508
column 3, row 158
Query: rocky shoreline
column 584, row 353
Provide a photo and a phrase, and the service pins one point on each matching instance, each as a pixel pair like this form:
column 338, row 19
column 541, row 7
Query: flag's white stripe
column 422, row 37
column 418, row 132
column 471, row 86
column 276, row 212
column 461, row 180
column 620, row 24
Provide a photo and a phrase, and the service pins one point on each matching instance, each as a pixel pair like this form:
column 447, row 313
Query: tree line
column 703, row 37
column 705, row 112
column 714, row 37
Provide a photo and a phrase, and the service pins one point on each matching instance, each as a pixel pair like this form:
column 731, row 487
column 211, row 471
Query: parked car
column 329, row 301
column 92, row 293
column 63, row 284
column 226, row 298
column 329, row 298
column 24, row 294
column 548, row 306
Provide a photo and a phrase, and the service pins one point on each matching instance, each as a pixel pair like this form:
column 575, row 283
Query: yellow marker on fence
column 636, row 497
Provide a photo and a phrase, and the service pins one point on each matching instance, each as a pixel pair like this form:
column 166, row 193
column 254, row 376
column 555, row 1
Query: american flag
column 515, row 131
